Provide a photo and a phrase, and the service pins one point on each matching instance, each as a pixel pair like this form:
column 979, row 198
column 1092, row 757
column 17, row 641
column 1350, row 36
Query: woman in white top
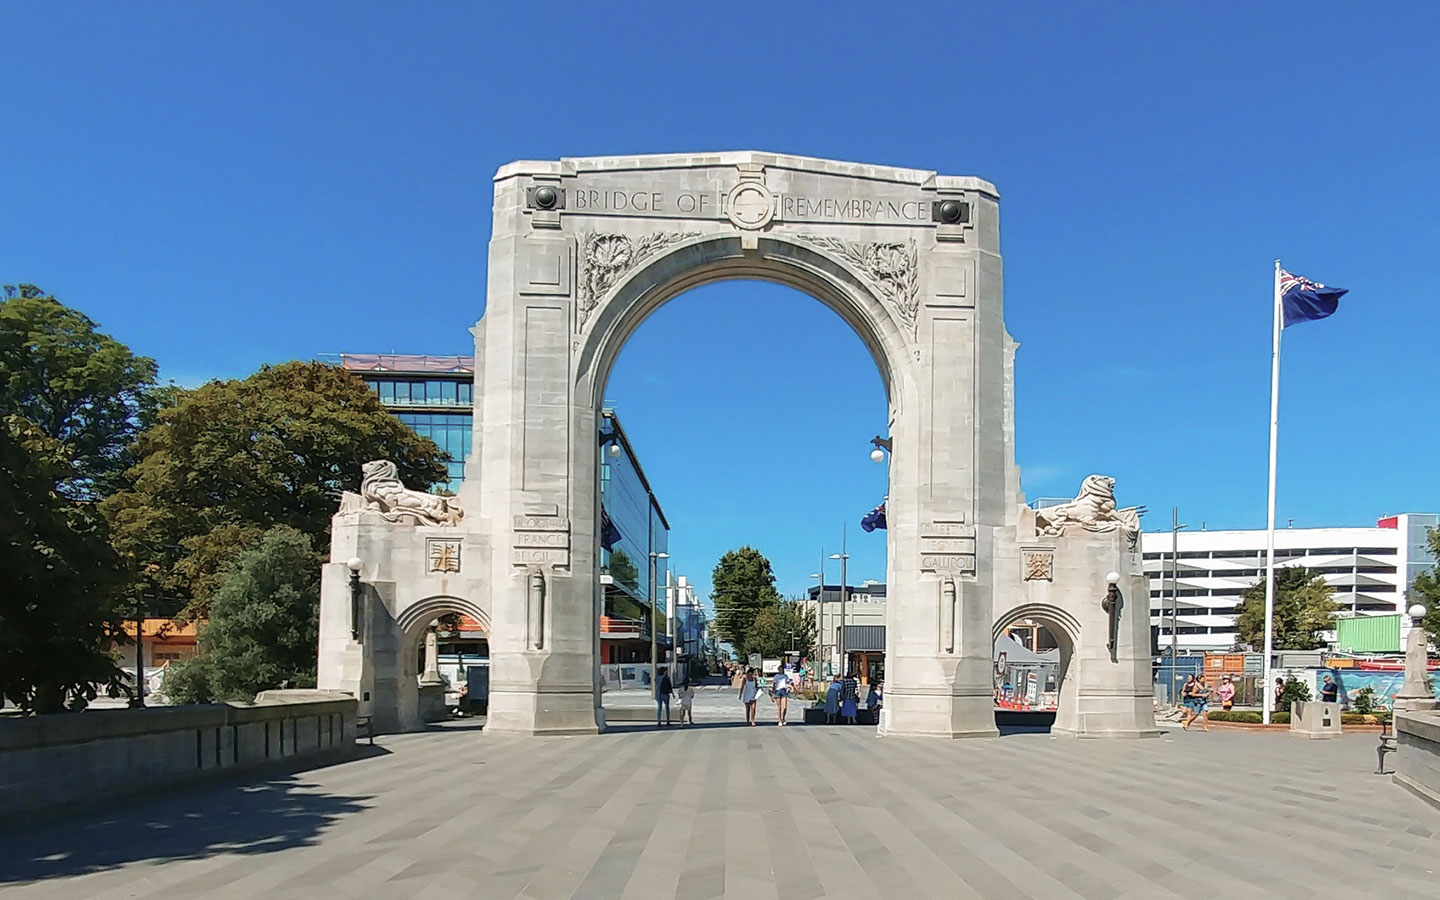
column 749, row 693
column 687, row 703
column 780, row 691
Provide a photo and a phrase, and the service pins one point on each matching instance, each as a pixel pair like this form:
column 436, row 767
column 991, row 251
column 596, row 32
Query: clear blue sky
column 222, row 185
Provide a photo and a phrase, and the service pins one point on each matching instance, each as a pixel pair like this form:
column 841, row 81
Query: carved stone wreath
column 604, row 258
column 892, row 267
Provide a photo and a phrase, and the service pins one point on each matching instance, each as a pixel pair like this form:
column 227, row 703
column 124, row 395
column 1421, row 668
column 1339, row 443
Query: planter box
column 814, row 716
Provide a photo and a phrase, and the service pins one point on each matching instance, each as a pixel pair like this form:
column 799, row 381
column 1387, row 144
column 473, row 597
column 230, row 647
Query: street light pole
column 844, row 596
column 1175, row 528
column 138, row 701
column 820, row 614
column 654, row 645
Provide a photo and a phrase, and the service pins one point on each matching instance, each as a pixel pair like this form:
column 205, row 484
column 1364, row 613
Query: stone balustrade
column 55, row 761
column 1417, row 757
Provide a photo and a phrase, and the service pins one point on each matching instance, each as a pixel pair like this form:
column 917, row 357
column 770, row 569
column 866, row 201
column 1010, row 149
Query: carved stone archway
column 581, row 252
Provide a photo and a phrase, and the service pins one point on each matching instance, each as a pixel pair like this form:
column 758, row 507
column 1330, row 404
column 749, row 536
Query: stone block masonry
column 48, row 763
column 1417, row 760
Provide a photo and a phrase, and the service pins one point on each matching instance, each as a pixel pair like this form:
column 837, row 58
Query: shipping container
column 1368, row 634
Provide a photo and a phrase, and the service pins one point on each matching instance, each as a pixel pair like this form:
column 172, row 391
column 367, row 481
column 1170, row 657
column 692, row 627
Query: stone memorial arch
column 581, row 252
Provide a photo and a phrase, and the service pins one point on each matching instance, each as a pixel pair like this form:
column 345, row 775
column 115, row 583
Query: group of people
column 842, row 695
column 664, row 690
column 1195, row 698
column 842, row 699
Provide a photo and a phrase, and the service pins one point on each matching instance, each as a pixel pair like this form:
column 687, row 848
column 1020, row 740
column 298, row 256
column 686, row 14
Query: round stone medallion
column 749, row 205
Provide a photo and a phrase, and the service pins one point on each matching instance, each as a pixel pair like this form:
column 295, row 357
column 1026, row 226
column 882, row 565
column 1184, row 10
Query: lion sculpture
column 382, row 492
column 1092, row 510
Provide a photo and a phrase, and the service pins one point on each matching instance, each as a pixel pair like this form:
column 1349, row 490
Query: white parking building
column 1371, row 570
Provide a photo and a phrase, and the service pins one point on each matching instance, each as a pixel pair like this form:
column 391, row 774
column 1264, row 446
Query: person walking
column 1280, row 695
column 832, row 700
column 1226, row 693
column 749, row 693
column 687, row 703
column 1184, row 701
column 849, row 699
column 780, row 693
column 1199, row 697
column 664, row 687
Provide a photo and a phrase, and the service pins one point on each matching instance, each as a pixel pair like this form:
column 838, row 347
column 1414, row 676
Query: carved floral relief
column 892, row 267
column 605, row 258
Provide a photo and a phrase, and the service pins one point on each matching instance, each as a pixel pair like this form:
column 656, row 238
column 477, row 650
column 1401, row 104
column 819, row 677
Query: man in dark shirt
column 663, row 689
column 1329, row 691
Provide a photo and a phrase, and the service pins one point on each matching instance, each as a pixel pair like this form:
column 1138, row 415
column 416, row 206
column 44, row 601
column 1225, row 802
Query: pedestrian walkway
column 722, row 810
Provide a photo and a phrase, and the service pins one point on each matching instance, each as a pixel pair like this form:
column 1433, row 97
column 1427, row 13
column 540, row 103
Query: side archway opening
column 1034, row 656
column 446, row 656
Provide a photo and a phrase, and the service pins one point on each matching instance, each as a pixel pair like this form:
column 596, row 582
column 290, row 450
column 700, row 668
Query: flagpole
column 1270, row 514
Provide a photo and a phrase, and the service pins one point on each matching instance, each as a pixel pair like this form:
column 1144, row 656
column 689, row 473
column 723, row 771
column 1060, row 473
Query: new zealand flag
column 1306, row 301
column 874, row 519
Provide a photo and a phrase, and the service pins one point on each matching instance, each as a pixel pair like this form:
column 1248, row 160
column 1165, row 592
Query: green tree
column 263, row 627
column 781, row 628
column 1304, row 607
column 77, row 386
column 623, row 569
column 767, row 636
column 58, row 581
column 742, row 585
column 232, row 459
column 1426, row 589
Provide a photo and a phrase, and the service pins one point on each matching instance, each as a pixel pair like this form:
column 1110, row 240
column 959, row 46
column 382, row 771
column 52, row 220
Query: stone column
column 431, row 675
column 1415, row 693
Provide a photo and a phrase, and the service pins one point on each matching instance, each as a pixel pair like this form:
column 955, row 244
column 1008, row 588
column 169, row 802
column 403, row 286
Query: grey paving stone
column 791, row 814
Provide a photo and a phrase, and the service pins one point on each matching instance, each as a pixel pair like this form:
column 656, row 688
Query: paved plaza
column 722, row 810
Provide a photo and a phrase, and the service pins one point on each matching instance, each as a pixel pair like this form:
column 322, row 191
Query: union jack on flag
column 1305, row 300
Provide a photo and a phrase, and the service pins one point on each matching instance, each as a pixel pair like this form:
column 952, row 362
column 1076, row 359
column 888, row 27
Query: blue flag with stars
column 874, row 519
column 1305, row 300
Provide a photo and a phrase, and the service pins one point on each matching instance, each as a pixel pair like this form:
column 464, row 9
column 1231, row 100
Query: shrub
column 1247, row 717
column 1294, row 691
column 1364, row 701
column 1235, row 715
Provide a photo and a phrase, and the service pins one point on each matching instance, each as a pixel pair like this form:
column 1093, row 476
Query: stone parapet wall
column 51, row 762
column 1417, row 760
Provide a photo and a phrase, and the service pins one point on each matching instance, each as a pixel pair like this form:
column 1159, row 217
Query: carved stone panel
column 948, row 563
column 442, row 555
column 1037, row 565
column 605, row 258
column 891, row 267
column 541, row 540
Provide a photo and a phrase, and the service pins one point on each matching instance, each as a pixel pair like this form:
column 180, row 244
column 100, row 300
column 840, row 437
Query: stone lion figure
column 382, row 492
column 1092, row 510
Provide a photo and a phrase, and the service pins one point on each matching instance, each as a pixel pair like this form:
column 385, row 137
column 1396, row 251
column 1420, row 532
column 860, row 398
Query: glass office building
column 435, row 396
column 432, row 394
column 633, row 526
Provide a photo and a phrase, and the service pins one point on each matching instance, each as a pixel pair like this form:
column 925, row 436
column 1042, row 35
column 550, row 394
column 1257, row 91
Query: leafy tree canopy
column 76, row 385
column 58, row 580
column 1304, row 607
column 742, row 585
column 623, row 569
column 780, row 628
column 232, row 459
column 263, row 627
